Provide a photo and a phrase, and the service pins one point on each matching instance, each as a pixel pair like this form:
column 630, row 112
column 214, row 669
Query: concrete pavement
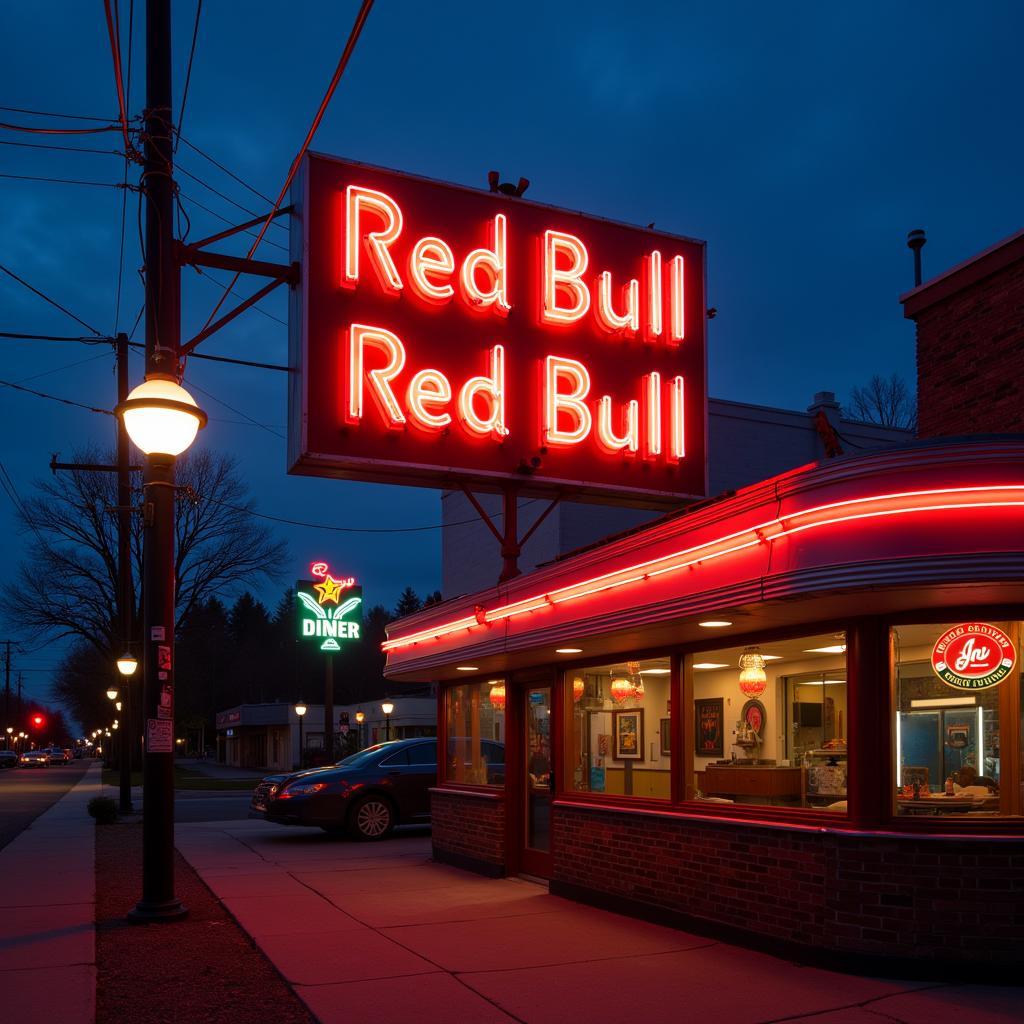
column 379, row 932
column 47, row 910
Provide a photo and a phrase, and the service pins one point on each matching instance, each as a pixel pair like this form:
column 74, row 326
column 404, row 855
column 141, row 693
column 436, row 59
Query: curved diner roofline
column 927, row 524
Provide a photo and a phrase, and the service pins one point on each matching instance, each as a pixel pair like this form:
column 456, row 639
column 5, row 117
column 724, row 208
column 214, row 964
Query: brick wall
column 469, row 829
column 969, row 358
column 917, row 897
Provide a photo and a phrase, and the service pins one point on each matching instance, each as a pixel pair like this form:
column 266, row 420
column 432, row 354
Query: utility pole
column 329, row 707
column 7, row 683
column 125, row 590
column 163, row 324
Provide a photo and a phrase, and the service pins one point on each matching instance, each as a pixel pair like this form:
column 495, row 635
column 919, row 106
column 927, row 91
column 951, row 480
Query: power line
column 58, row 131
column 350, row 45
column 49, row 113
column 224, row 288
column 63, row 181
column 52, row 302
column 226, row 220
column 54, row 398
column 237, row 412
column 124, row 195
column 188, row 72
column 114, row 33
column 226, row 170
column 18, row 336
column 226, row 198
column 61, row 149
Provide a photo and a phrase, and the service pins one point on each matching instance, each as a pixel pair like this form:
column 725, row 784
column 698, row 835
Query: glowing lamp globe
column 753, row 678
column 360, row 717
column 387, row 707
column 112, row 693
column 127, row 664
column 300, row 709
column 621, row 689
column 497, row 697
column 578, row 686
column 161, row 417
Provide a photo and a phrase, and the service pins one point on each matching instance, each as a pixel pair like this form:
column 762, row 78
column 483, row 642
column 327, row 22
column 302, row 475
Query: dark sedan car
column 366, row 795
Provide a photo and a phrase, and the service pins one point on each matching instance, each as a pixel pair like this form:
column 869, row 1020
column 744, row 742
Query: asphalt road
column 26, row 792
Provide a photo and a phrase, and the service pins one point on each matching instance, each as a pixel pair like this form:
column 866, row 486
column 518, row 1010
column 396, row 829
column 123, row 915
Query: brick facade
column 970, row 345
column 917, row 897
column 469, row 829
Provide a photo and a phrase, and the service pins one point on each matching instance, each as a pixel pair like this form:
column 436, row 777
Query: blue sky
column 801, row 140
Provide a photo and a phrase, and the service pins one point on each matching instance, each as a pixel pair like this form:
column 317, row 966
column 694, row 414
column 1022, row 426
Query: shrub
column 103, row 809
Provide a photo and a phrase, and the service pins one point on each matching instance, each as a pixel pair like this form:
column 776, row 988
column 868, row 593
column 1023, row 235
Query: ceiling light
column 834, row 649
column 466, row 668
column 772, row 657
column 709, row 664
column 655, row 671
column 714, row 624
column 568, row 650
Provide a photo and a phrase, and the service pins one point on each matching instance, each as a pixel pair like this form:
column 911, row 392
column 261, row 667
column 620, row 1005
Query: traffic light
column 38, row 720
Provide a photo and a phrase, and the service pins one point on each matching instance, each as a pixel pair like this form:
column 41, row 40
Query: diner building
column 789, row 715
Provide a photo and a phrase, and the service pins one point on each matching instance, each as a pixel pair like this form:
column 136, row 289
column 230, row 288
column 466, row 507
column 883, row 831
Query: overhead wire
column 127, row 164
column 54, row 398
column 205, row 274
column 353, row 38
column 63, row 181
column 60, row 149
column 226, row 198
column 216, row 163
column 188, row 72
column 58, row 131
column 226, row 220
column 114, row 34
column 46, row 298
column 51, row 113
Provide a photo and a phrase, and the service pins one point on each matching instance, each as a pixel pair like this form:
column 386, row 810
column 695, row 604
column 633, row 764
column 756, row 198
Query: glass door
column 538, row 784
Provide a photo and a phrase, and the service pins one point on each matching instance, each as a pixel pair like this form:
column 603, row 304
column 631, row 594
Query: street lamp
column 360, row 718
column 127, row 664
column 387, row 707
column 112, row 692
column 300, row 710
column 10, row 729
column 162, row 419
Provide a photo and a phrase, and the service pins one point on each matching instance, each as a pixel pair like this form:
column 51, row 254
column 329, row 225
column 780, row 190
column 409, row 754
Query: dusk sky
column 801, row 141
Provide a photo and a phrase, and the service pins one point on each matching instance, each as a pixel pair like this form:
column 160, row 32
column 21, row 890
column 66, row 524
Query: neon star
column 329, row 590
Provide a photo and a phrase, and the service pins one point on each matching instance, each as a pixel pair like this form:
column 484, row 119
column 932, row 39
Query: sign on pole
column 329, row 610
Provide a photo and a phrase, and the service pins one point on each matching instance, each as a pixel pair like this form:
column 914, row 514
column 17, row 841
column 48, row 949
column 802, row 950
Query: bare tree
column 889, row 403
column 67, row 583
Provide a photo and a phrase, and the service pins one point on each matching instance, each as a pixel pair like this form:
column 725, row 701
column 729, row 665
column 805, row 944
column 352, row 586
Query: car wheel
column 371, row 818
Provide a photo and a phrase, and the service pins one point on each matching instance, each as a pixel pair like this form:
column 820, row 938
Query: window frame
column 445, row 689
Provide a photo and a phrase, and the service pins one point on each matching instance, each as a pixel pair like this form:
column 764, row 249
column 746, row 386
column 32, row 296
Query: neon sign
column 444, row 334
column 973, row 656
column 327, row 611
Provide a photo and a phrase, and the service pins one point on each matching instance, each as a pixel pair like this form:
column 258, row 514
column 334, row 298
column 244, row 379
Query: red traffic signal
column 38, row 721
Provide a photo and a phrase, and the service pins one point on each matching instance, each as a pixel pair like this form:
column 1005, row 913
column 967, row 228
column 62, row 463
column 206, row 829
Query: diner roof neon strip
column 875, row 506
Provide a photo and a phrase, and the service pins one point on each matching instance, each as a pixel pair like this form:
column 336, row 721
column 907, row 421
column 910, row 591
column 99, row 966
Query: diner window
column 770, row 724
column 619, row 736
column 475, row 731
column 956, row 708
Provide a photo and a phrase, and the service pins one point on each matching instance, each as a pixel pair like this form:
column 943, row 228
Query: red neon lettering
column 565, row 282
column 493, row 262
column 607, row 439
column 360, row 338
column 652, row 329
column 357, row 201
column 652, row 391
column 429, row 387
column 626, row 323
column 556, row 370
column 431, row 257
column 677, row 428
column 676, row 327
column 492, row 390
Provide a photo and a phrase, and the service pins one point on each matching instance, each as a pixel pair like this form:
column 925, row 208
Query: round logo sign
column 973, row 656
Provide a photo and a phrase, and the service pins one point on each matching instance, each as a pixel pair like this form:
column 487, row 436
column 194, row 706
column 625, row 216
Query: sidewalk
column 47, row 910
column 379, row 932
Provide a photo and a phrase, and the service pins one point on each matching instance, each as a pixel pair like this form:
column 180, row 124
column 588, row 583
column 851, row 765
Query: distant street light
column 162, row 419
column 112, row 692
column 300, row 710
column 127, row 664
column 387, row 707
column 360, row 718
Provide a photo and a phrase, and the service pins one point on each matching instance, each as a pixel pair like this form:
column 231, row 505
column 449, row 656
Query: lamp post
column 360, row 718
column 162, row 419
column 300, row 710
column 126, row 665
column 387, row 707
column 10, row 729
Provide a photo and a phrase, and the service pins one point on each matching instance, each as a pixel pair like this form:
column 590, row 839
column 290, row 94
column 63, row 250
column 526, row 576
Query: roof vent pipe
column 915, row 242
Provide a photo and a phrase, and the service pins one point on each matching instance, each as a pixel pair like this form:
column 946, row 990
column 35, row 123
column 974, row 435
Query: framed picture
column 755, row 715
column 708, row 714
column 666, row 735
column 628, row 735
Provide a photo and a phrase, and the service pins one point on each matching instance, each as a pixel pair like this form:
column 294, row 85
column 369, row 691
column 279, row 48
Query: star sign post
column 329, row 614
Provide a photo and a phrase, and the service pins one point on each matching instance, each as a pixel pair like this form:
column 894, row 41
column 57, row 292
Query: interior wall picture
column 708, row 726
column 666, row 735
column 628, row 735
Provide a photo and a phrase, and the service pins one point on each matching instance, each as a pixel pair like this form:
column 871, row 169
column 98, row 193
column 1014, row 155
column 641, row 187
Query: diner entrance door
column 537, row 782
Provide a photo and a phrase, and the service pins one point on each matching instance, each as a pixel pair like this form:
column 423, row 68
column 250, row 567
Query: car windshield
column 364, row 756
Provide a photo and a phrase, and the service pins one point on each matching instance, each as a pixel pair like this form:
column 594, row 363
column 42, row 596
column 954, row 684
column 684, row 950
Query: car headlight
column 302, row 789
